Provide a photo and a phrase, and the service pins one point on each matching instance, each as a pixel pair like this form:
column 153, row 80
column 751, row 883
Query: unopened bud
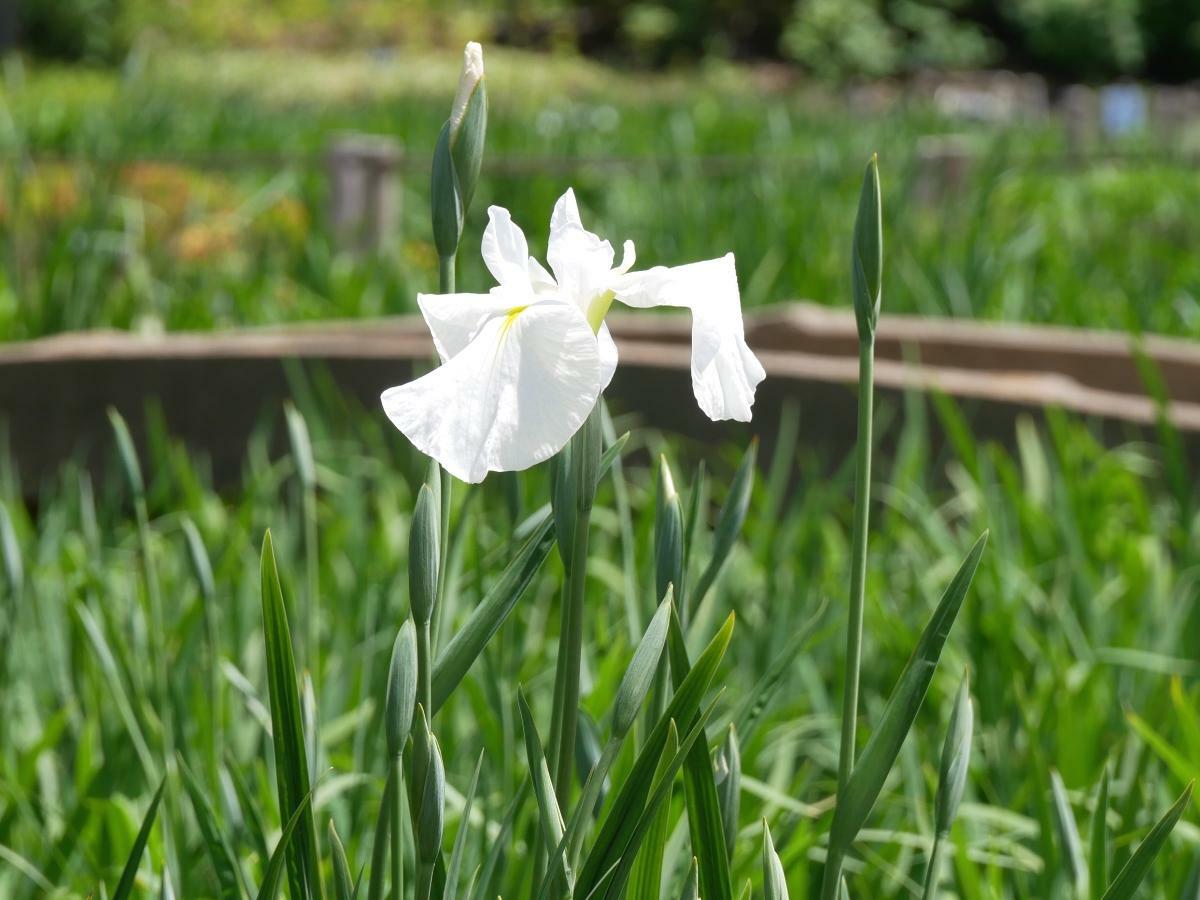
column 423, row 557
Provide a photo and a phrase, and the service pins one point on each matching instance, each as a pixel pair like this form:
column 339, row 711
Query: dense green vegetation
column 229, row 226
column 1076, row 635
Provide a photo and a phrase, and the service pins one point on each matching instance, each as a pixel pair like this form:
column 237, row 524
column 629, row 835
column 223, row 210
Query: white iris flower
column 523, row 365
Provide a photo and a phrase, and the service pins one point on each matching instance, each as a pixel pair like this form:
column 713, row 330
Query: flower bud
column 431, row 819
column 401, row 688
column 458, row 154
column 866, row 262
column 668, row 534
column 423, row 557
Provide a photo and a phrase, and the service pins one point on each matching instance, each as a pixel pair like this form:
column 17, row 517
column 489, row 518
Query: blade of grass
column 867, row 778
column 705, row 821
column 1132, row 874
column 129, row 874
column 291, row 764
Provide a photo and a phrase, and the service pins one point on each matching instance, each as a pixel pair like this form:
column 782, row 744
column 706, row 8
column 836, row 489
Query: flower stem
column 571, row 651
column 932, row 870
column 858, row 558
column 394, row 796
column 424, row 667
column 312, row 575
column 446, row 274
column 858, row 572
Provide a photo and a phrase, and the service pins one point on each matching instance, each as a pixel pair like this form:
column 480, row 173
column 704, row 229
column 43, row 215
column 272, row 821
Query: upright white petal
column 455, row 319
column 505, row 250
column 724, row 370
column 581, row 261
column 512, row 397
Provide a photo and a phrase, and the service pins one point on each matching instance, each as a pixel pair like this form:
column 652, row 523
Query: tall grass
column 1076, row 636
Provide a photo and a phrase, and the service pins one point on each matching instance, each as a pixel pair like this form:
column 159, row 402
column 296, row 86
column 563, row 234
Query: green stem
column 446, row 274
column 424, row 667
column 375, row 886
column 858, row 557
column 571, row 648
column 396, row 796
column 858, row 572
column 933, row 870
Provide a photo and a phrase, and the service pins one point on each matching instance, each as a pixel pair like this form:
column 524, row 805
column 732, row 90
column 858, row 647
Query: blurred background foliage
column 1066, row 40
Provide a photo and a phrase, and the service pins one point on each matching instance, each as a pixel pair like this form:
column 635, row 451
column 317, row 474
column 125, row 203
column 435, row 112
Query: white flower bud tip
column 472, row 74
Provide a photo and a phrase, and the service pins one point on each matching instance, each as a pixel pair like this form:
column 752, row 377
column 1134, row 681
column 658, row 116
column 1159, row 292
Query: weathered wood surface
column 214, row 387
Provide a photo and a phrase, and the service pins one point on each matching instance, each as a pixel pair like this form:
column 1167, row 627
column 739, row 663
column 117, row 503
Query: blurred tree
column 89, row 31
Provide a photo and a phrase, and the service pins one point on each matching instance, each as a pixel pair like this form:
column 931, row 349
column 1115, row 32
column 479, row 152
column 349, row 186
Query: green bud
column 956, row 759
column 401, row 688
column 423, row 556
column 430, row 822
column 458, row 155
column 866, row 263
column 668, row 534
column 727, row 773
column 128, row 455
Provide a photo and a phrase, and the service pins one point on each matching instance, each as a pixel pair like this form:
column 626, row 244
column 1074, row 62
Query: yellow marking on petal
column 598, row 309
column 510, row 317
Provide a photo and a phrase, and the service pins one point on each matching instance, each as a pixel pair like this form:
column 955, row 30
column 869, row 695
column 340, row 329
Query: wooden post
column 364, row 196
column 943, row 165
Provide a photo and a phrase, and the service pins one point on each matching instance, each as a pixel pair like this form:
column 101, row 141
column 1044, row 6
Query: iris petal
column 512, row 397
column 725, row 372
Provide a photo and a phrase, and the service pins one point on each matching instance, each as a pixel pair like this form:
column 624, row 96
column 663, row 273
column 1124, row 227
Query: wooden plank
column 215, row 387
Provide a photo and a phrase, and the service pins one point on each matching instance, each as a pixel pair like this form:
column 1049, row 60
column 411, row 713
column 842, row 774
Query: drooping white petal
column 581, row 261
column 724, row 370
column 505, row 250
column 608, row 356
column 455, row 319
column 512, row 397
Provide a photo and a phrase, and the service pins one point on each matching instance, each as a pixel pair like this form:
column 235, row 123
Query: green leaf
column 129, row 874
column 1098, row 849
column 291, row 763
column 646, row 878
column 499, row 845
column 220, row 851
column 552, row 825
column 639, row 675
column 867, row 778
column 729, row 523
column 774, row 880
column 273, row 874
column 630, row 802
column 1070, row 847
column 956, row 759
column 1126, row 883
column 343, row 881
column 485, row 620
column 130, row 467
column 660, row 792
column 727, row 766
column 691, row 885
column 302, row 454
column 705, row 820
column 454, row 869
